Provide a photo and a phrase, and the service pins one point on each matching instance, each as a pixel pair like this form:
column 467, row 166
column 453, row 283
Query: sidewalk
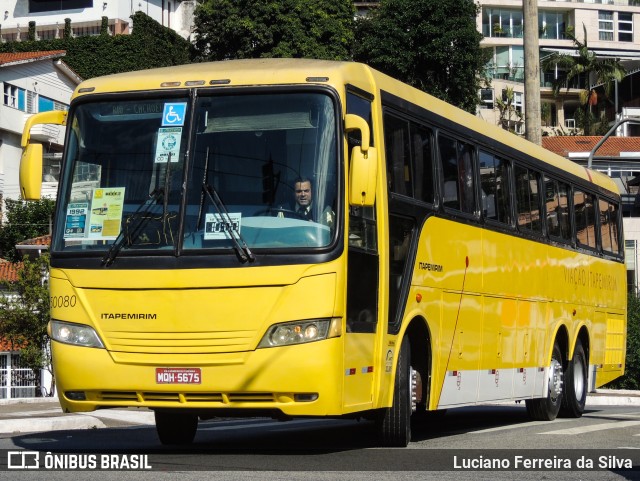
column 44, row 414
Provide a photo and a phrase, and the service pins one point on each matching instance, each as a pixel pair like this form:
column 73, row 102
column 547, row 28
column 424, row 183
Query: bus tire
column 547, row 408
column 394, row 424
column 176, row 427
column 575, row 396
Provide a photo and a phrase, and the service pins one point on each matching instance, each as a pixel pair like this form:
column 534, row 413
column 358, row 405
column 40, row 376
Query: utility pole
column 532, row 118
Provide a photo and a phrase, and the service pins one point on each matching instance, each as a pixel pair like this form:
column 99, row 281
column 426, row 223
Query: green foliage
column 31, row 34
column 25, row 220
column 66, row 33
column 104, row 26
column 227, row 29
column 433, row 45
column 631, row 378
column 149, row 45
column 24, row 314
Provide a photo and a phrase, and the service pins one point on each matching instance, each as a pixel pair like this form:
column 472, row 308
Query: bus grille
column 180, row 342
column 191, row 397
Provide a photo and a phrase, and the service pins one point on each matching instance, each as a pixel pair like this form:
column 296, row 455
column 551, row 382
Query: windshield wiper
column 142, row 221
column 143, row 209
column 240, row 246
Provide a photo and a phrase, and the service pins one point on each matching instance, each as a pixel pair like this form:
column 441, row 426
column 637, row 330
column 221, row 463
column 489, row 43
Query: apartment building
column 85, row 16
column 613, row 30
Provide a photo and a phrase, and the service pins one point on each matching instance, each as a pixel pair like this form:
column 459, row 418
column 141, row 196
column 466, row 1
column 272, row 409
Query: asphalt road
column 605, row 441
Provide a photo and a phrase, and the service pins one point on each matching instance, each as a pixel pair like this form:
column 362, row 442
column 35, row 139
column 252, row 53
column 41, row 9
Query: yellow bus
column 298, row 238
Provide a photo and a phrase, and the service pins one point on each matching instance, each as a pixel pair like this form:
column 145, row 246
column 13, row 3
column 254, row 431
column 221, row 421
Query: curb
column 32, row 425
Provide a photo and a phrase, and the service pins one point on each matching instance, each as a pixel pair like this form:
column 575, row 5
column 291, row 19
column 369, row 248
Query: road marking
column 613, row 415
column 595, row 427
column 517, row 426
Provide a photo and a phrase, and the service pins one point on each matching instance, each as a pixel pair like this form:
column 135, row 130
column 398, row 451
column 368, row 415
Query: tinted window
column 609, row 227
column 527, row 199
column 396, row 134
column 457, row 170
column 585, row 219
column 422, row 162
column 556, row 199
column 495, row 188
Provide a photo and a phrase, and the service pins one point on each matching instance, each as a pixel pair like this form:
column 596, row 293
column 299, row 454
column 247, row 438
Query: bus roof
column 254, row 72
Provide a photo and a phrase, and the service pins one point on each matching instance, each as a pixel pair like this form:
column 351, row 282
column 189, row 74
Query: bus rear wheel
column 176, row 427
column 575, row 396
column 394, row 423
column 547, row 408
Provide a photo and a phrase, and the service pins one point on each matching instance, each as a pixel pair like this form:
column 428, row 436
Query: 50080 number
column 63, row 301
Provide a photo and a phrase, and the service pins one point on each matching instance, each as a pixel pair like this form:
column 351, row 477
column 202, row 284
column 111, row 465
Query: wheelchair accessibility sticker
column 174, row 114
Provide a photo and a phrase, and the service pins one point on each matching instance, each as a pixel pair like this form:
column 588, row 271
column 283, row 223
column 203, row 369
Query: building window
column 486, row 99
column 507, row 63
column 605, row 25
column 625, row 27
column 517, row 101
column 552, row 25
column 39, row 6
column 14, row 97
column 500, row 22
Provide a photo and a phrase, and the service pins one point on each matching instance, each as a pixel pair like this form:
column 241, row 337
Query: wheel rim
column 578, row 377
column 414, row 384
column 555, row 380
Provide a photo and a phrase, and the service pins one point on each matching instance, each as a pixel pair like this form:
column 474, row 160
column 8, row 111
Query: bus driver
column 304, row 204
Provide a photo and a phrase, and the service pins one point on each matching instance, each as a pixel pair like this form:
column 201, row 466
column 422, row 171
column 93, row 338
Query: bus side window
column 614, row 221
column 422, row 163
column 609, row 227
column 585, row 218
column 494, row 188
column 605, row 225
column 449, row 167
column 456, row 160
column 398, row 153
column 557, row 203
column 527, row 199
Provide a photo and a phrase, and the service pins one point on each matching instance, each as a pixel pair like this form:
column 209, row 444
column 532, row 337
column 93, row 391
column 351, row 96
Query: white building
column 86, row 16
column 31, row 82
column 613, row 30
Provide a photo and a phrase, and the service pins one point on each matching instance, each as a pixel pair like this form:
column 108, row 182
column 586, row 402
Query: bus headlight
column 76, row 334
column 300, row 332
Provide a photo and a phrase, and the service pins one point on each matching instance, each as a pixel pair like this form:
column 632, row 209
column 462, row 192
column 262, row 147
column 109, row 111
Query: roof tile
column 564, row 145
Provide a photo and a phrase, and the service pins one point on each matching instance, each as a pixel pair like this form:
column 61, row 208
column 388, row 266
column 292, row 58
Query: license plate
column 178, row 375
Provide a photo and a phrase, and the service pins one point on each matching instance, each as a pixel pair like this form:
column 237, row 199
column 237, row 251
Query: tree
column 533, row 129
column 228, row 29
column 631, row 378
column 24, row 315
column 25, row 220
column 433, row 45
column 509, row 116
column 585, row 64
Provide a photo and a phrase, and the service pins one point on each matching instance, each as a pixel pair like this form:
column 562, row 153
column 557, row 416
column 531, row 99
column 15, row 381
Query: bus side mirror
column 363, row 168
column 31, row 161
column 31, row 172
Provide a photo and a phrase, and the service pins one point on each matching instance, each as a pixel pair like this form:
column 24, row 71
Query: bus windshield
column 257, row 170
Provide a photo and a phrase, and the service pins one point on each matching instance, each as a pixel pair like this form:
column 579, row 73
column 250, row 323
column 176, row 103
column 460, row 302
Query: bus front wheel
column 176, row 427
column 547, row 408
column 575, row 396
column 394, row 423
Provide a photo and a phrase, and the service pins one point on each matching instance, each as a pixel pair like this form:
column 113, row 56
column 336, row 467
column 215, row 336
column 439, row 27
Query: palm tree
column 598, row 71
